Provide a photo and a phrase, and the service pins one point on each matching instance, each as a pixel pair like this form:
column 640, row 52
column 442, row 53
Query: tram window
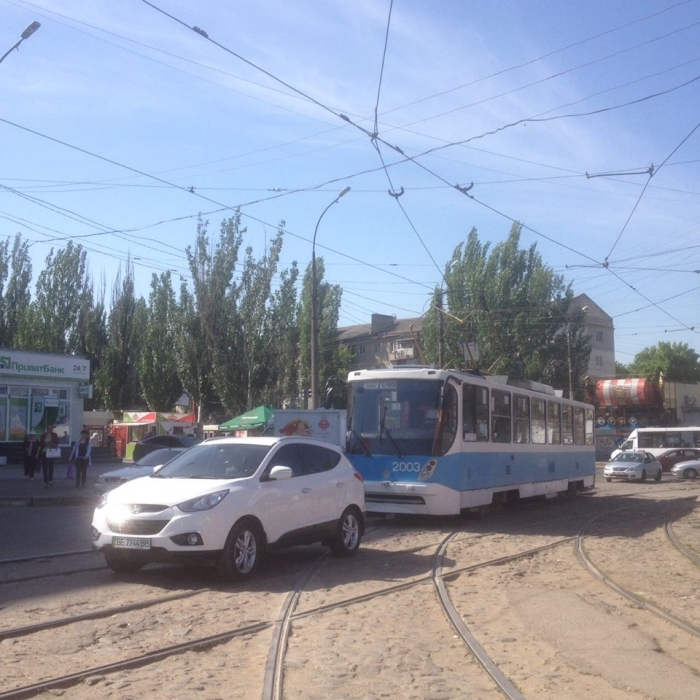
column 589, row 426
column 539, row 421
column 475, row 413
column 567, row 425
column 500, row 416
column 521, row 418
column 553, row 423
column 579, row 425
column 448, row 426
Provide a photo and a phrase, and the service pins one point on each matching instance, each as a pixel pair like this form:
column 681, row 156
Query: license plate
column 131, row 542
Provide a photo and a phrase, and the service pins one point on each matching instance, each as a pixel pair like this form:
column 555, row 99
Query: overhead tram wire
column 203, row 33
column 641, row 194
column 541, row 58
column 555, row 75
column 392, row 189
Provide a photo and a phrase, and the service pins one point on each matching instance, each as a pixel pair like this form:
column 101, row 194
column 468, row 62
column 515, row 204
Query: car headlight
column 103, row 500
column 206, row 502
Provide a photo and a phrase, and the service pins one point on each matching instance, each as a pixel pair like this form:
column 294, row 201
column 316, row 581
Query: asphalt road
column 27, row 532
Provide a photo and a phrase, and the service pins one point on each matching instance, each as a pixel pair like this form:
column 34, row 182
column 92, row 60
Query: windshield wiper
column 383, row 429
column 359, row 442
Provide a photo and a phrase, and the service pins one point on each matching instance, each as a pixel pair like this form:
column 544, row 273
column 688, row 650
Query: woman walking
column 47, row 444
column 82, row 456
column 31, row 452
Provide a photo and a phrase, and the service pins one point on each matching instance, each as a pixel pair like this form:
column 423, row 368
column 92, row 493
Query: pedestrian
column 31, row 452
column 82, row 456
column 48, row 443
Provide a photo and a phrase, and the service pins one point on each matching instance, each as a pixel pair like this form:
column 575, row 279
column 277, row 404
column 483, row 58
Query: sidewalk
column 16, row 490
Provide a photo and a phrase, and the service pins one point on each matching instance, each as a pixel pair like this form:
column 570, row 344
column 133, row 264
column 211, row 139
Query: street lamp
column 25, row 35
column 314, row 308
column 568, row 342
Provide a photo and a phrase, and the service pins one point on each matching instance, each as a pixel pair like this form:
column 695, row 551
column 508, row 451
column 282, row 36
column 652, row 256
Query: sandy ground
column 555, row 630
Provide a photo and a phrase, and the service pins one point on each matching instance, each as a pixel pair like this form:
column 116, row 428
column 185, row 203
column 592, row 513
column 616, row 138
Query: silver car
column 633, row 466
column 144, row 467
column 686, row 470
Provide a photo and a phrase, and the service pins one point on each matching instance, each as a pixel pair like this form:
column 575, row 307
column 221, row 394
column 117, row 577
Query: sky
column 120, row 125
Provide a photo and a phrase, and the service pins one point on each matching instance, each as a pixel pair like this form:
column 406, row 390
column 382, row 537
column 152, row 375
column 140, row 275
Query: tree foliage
column 513, row 307
column 157, row 365
column 117, row 378
column 677, row 361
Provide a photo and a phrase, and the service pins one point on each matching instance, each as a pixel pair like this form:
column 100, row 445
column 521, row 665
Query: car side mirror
column 279, row 473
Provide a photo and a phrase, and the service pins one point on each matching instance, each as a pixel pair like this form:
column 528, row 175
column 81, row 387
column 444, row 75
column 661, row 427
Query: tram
column 439, row 442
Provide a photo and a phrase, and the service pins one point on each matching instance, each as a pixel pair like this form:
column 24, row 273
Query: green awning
column 252, row 419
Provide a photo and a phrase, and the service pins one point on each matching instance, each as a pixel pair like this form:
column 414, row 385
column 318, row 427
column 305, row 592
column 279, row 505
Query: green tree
column 514, row 307
column 332, row 360
column 621, row 370
column 678, row 362
column 116, row 379
column 213, row 343
column 52, row 317
column 157, row 365
column 15, row 296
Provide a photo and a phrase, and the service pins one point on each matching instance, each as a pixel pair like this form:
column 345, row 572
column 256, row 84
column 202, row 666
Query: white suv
column 226, row 500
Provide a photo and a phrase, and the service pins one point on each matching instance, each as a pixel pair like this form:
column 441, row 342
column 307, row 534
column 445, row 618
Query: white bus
column 658, row 440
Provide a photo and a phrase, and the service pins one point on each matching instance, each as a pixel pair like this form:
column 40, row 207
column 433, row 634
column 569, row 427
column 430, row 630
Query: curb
column 32, row 501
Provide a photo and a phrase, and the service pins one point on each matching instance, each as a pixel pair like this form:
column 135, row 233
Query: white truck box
column 319, row 424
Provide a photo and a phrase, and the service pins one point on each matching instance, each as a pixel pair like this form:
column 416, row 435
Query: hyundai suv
column 227, row 500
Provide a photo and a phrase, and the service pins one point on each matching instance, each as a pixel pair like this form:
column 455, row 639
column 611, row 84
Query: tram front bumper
column 410, row 498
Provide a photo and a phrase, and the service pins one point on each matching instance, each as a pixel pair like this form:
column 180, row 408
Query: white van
column 658, row 440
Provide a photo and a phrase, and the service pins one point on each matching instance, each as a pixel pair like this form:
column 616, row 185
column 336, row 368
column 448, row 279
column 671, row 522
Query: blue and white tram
column 438, row 442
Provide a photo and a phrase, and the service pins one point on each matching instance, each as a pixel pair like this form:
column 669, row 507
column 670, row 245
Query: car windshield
column 215, row 461
column 154, row 459
column 629, row 457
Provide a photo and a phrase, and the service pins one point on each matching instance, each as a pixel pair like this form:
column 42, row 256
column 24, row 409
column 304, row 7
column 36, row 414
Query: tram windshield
column 393, row 416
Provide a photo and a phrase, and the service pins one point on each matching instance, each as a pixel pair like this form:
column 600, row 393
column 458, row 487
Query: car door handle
column 306, row 490
column 340, row 484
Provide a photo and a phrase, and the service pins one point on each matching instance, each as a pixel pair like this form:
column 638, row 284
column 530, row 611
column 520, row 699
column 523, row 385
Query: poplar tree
column 157, row 365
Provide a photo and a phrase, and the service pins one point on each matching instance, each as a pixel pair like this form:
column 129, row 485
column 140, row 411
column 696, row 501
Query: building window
column 360, row 349
column 599, row 336
column 377, row 348
column 598, row 361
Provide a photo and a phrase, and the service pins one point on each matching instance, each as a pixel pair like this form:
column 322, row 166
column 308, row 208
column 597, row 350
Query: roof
column 252, row 419
column 399, row 327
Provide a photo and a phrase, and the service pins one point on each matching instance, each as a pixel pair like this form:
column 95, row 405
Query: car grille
column 112, row 479
column 136, row 527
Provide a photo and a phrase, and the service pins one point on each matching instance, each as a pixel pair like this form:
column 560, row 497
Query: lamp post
column 25, row 35
column 568, row 343
column 314, row 308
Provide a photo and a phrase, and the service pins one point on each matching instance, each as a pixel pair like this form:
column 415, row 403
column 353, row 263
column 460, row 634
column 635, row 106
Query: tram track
column 282, row 623
column 625, row 592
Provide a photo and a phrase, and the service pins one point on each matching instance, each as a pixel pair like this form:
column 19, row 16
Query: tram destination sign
column 25, row 364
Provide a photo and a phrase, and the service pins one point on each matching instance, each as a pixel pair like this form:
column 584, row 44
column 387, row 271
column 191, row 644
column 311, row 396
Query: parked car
column 158, row 442
column 680, row 454
column 687, row 470
column 633, row 466
column 145, row 466
column 226, row 501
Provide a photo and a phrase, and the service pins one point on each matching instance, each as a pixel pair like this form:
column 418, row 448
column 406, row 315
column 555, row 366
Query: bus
column 439, row 442
column 658, row 440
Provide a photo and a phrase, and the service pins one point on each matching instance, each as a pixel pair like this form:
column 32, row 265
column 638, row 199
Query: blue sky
column 122, row 82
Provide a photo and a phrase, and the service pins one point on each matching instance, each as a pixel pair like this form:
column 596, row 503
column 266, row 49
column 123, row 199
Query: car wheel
column 690, row 473
column 644, row 475
column 658, row 476
column 122, row 564
column 347, row 539
column 242, row 552
column 608, row 478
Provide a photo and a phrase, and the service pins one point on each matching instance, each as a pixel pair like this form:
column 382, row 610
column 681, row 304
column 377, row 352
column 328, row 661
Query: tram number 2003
column 406, row 467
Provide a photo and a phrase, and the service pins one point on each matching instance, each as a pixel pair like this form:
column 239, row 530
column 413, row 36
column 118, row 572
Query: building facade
column 37, row 390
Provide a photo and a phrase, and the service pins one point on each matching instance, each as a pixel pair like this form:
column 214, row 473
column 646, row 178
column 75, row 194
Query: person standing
column 48, row 441
column 82, row 456
column 31, row 452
